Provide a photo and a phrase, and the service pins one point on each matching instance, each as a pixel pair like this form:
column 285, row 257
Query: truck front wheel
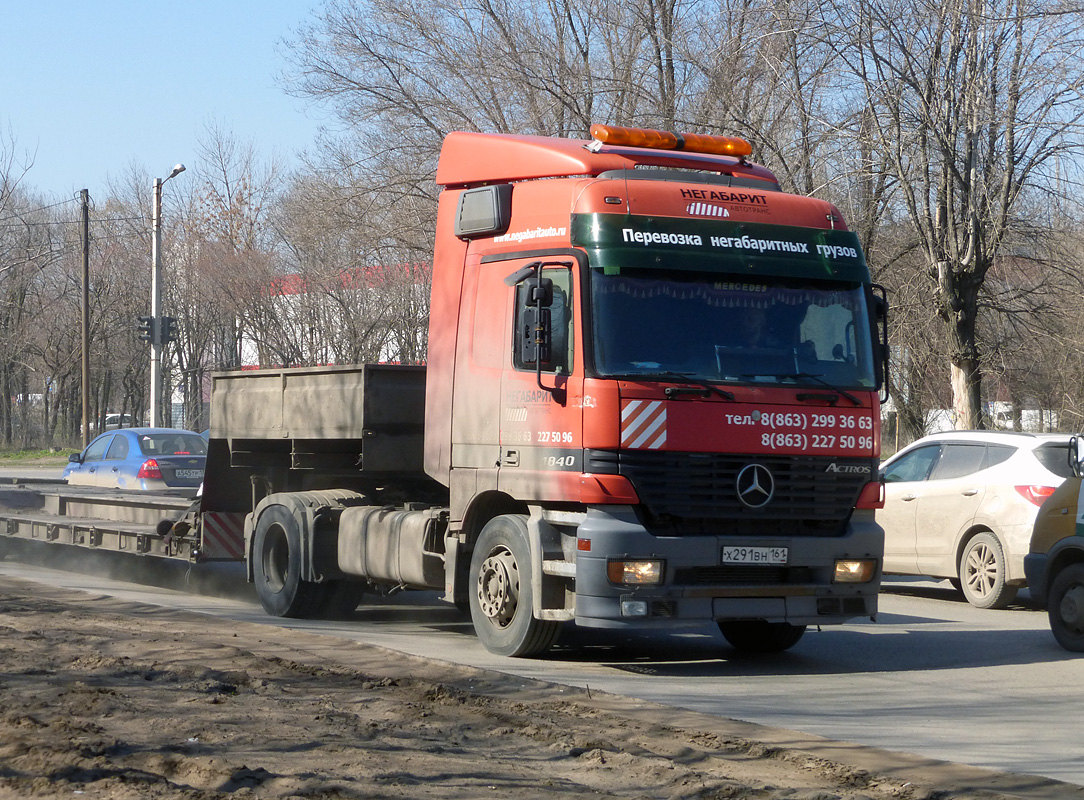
column 758, row 636
column 501, row 592
column 276, row 567
column 1065, row 607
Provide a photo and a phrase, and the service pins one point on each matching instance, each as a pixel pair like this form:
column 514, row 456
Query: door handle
column 969, row 492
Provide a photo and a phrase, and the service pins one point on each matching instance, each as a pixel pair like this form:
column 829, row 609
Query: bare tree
column 970, row 102
column 224, row 258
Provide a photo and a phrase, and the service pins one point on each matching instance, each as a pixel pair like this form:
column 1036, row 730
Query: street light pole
column 156, row 298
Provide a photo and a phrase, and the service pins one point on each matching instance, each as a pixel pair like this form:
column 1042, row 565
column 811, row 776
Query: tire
column 276, row 568
column 1065, row 607
column 501, row 592
column 982, row 573
column 339, row 598
column 758, row 636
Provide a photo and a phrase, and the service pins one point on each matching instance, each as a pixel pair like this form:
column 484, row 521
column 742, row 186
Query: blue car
column 149, row 459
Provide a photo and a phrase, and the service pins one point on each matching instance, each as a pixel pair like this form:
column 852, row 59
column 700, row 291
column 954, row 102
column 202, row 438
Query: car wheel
column 1065, row 607
column 983, row 579
column 758, row 636
column 501, row 591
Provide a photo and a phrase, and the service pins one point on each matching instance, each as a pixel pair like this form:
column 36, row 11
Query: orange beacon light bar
column 665, row 140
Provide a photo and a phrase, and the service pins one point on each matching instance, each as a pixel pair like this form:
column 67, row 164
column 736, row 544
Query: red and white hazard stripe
column 643, row 424
column 223, row 535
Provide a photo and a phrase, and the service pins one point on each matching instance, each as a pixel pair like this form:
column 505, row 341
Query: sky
column 89, row 89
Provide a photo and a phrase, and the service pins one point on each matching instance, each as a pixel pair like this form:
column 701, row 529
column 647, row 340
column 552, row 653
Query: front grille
column 813, row 495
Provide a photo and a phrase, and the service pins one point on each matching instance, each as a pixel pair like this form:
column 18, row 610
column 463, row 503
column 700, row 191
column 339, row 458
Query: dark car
column 140, row 458
column 1055, row 563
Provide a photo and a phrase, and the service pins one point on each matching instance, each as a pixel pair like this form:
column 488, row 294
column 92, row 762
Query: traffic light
column 147, row 330
column 168, row 331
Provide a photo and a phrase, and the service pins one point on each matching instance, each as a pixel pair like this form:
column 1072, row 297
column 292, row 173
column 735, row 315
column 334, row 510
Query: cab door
column 542, row 391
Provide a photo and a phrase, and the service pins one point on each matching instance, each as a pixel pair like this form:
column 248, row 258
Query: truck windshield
column 666, row 323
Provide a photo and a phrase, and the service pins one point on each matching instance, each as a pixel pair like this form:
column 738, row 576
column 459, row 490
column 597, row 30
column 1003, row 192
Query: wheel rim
column 1071, row 609
column 276, row 558
column 982, row 570
column 498, row 587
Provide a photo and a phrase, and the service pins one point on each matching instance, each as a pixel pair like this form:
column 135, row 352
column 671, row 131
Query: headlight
column 858, row 570
column 635, row 573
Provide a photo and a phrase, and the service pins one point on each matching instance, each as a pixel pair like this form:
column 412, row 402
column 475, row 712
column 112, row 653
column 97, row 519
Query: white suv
column 961, row 505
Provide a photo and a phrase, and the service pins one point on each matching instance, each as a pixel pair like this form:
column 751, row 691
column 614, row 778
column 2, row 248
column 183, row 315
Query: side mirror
column 879, row 307
column 536, row 327
column 536, row 336
column 75, row 458
column 1076, row 456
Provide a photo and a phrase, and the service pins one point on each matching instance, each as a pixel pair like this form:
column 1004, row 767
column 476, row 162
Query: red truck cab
column 659, row 375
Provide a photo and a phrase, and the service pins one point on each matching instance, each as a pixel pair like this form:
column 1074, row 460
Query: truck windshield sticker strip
column 727, row 294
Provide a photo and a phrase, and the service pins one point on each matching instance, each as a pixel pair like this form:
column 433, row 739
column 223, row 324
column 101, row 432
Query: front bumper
column 697, row 587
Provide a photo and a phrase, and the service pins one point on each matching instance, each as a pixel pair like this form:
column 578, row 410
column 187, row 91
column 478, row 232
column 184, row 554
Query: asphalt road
column 933, row 676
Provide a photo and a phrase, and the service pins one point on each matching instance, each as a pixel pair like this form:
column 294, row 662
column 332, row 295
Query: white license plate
column 190, row 473
column 754, row 555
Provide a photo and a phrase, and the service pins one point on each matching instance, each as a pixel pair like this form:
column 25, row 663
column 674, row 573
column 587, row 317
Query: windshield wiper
column 683, row 377
column 809, row 376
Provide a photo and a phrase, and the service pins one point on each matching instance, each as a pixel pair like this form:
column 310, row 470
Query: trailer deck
column 96, row 518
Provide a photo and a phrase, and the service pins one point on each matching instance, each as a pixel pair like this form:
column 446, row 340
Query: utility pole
column 85, row 195
column 156, row 298
column 156, row 304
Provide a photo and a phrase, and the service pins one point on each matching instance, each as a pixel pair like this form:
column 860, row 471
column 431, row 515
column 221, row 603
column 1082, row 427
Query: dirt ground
column 103, row 698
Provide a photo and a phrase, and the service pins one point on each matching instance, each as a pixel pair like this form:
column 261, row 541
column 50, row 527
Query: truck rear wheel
column 758, row 636
column 501, row 592
column 276, row 567
column 340, row 598
column 1065, row 607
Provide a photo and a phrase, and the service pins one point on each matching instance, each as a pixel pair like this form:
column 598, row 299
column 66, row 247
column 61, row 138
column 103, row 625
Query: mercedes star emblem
column 755, row 486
